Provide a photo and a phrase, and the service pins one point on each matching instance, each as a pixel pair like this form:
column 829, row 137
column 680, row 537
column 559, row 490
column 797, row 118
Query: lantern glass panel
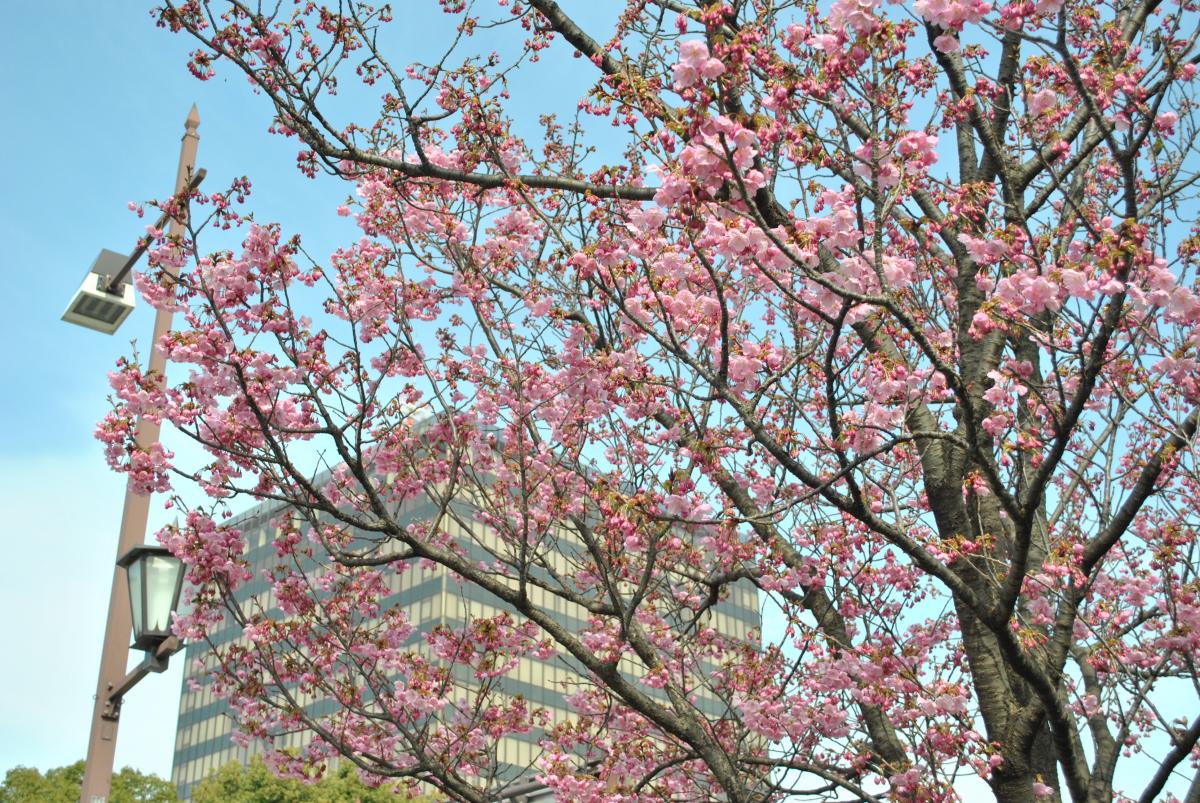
column 162, row 571
column 135, row 593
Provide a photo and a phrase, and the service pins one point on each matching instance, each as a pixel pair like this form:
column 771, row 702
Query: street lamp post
column 113, row 682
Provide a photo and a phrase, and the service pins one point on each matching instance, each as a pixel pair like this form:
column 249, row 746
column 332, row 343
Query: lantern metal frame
column 145, row 638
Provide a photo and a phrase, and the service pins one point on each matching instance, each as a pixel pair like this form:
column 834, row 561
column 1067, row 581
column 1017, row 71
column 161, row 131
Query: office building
column 430, row 598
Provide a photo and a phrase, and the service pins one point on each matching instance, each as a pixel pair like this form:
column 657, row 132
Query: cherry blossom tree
column 890, row 310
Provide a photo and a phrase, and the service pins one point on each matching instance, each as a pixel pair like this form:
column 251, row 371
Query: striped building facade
column 430, row 598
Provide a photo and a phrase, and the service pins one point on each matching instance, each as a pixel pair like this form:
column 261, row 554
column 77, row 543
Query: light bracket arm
column 154, row 662
column 115, row 282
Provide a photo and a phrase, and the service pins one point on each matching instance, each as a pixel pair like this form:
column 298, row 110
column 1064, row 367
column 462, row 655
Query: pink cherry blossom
column 947, row 43
column 1166, row 122
column 695, row 64
column 1041, row 102
column 822, row 426
column 858, row 15
column 952, row 14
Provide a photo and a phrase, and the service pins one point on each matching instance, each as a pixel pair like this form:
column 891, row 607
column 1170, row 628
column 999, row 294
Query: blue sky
column 95, row 96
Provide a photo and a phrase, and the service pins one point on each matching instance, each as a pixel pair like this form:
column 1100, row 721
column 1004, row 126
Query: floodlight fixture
column 98, row 304
column 106, row 297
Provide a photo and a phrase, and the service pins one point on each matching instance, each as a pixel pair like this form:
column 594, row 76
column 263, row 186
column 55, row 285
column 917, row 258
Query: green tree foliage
column 234, row 783
column 63, row 784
